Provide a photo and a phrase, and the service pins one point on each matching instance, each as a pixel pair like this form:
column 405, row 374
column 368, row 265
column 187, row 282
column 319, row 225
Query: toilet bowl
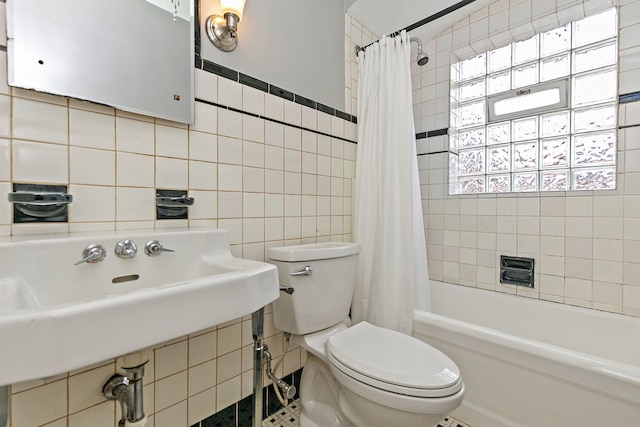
column 361, row 375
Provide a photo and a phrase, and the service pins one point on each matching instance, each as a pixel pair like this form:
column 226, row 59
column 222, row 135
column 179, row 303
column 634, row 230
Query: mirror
column 135, row 55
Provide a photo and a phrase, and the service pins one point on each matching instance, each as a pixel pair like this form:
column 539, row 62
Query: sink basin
column 56, row 316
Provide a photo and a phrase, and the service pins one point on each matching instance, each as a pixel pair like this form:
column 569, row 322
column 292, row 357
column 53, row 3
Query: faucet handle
column 92, row 254
column 126, row 249
column 117, row 388
column 154, row 248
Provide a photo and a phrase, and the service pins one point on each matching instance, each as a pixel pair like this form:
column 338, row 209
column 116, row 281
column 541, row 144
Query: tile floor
column 289, row 417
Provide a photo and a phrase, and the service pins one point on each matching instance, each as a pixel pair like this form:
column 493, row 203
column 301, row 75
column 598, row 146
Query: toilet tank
column 321, row 298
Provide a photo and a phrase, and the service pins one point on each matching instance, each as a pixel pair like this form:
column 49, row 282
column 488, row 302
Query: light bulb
column 232, row 6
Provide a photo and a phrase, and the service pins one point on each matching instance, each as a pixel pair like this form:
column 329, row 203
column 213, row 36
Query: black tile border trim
column 253, row 82
column 629, row 126
column 211, row 67
column 273, row 89
column 432, row 133
column 435, row 152
column 215, row 104
column 629, row 97
column 437, row 132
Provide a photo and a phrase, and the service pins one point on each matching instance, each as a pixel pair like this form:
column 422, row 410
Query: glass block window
column 539, row 114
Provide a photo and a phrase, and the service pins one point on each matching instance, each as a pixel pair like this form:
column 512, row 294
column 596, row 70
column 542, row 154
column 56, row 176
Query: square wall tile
column 40, row 121
column 274, row 181
column 253, row 100
column 90, row 129
column 292, row 113
column 172, row 173
column 274, row 107
column 206, row 118
column 252, row 230
column 229, row 178
column 135, row 170
column 135, row 136
column 201, row 406
column 4, row 87
column 206, row 85
column 229, row 392
column 203, row 348
column 50, row 399
column 6, row 208
column 83, row 392
column 203, row 146
column 253, row 154
column 172, row 142
column 135, row 204
column 309, row 118
column 90, row 166
column 230, row 93
column 203, row 175
column 274, row 134
column 206, row 206
column 229, row 366
column 102, row 415
column 92, row 204
column 253, row 179
column 229, row 204
column 170, row 390
column 5, row 160
column 230, row 150
column 40, row 162
column 176, row 415
column 230, row 123
column 171, row 359
column 253, row 205
column 252, row 128
column 229, row 339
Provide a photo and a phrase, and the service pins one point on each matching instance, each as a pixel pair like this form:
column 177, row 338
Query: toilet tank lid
column 313, row 251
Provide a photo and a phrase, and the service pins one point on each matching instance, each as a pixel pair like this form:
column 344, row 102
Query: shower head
column 421, row 57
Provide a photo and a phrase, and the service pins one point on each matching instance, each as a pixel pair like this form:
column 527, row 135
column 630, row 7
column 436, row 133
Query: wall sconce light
column 222, row 30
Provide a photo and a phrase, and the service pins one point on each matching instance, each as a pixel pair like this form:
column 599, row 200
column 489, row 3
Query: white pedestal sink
column 56, row 316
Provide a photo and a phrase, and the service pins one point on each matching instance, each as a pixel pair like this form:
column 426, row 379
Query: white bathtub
column 534, row 363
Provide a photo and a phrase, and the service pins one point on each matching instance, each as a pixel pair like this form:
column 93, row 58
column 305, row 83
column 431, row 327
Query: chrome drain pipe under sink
column 127, row 390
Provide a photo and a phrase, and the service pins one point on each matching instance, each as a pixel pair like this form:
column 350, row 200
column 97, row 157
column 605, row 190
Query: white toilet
column 363, row 375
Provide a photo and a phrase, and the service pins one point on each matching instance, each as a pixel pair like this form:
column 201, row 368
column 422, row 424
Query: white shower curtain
column 392, row 272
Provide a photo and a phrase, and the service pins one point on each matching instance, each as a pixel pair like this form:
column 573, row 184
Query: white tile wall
column 259, row 179
column 585, row 243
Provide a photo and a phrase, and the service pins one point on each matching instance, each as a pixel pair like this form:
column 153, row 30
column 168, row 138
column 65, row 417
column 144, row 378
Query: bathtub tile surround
column 584, row 243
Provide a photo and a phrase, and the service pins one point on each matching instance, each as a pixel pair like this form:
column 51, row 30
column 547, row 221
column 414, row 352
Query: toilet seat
column 393, row 362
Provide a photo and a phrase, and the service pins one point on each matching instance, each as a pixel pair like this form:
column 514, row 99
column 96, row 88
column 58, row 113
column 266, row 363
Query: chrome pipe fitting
column 288, row 391
column 127, row 390
column 257, row 327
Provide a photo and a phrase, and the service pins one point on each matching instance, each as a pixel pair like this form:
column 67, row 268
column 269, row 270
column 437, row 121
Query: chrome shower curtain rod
column 426, row 20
